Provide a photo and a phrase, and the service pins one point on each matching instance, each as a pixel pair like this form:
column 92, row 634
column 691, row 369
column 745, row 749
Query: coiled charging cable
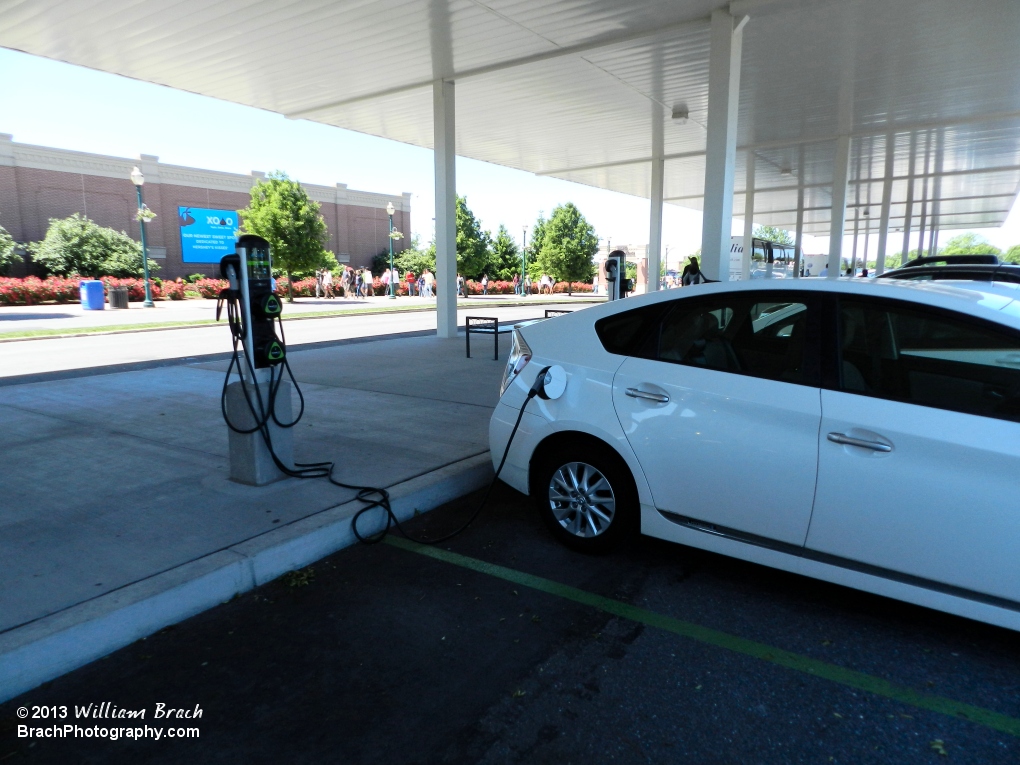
column 264, row 410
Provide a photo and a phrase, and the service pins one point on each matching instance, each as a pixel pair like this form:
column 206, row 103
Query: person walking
column 369, row 282
column 409, row 279
column 318, row 282
column 327, row 283
column 485, row 284
column 517, row 284
column 527, row 285
column 430, row 282
column 461, row 286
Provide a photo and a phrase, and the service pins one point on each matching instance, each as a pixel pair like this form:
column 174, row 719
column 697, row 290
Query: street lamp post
column 524, row 256
column 138, row 179
column 389, row 211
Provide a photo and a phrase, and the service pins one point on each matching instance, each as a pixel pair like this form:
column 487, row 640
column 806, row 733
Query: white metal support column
column 655, row 197
column 745, row 259
column 798, row 242
column 908, row 214
column 721, row 146
column 445, row 150
column 655, row 226
column 883, row 225
column 840, row 174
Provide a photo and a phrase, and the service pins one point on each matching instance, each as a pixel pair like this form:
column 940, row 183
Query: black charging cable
column 263, row 411
column 393, row 522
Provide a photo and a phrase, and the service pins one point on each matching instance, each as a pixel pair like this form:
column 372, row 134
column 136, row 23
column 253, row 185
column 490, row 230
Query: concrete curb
column 59, row 643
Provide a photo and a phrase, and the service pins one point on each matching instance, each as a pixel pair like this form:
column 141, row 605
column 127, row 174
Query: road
column 508, row 648
column 60, row 354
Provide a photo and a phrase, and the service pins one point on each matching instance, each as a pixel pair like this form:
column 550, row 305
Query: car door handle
column 843, row 438
column 660, row 398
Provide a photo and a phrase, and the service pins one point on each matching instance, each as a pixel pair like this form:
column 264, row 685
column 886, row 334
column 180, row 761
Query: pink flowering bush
column 573, row 287
column 173, row 290
column 507, row 288
column 209, row 288
column 31, row 290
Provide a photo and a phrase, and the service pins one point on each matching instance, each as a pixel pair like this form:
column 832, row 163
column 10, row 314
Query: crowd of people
column 359, row 283
column 352, row 283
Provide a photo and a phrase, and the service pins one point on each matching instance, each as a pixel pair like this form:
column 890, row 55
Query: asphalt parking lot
column 509, row 648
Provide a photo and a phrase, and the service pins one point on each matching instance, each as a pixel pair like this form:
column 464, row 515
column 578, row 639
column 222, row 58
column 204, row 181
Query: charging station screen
column 206, row 235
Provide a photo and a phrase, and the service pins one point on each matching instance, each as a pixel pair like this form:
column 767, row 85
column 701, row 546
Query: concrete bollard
column 250, row 460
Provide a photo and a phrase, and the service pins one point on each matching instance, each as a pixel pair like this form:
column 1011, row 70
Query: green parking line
column 788, row 659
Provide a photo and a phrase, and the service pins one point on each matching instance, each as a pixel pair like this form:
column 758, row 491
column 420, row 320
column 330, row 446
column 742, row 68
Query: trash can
column 118, row 297
column 92, row 297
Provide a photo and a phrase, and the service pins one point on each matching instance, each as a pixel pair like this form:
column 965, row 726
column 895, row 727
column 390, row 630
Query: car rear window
column 632, row 333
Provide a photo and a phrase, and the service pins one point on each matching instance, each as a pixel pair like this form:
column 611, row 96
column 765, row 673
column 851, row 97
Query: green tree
column 892, row 260
column 534, row 246
column 969, row 244
column 569, row 245
column 282, row 214
column 1012, row 254
column 8, row 256
column 416, row 258
column 472, row 243
column 506, row 256
column 77, row 245
column 773, row 234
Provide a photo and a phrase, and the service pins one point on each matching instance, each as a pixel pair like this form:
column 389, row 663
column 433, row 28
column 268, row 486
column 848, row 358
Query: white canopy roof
column 576, row 88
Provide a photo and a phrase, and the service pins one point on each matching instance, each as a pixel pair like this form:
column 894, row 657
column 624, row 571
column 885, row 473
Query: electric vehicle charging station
column 255, row 402
column 261, row 447
column 616, row 275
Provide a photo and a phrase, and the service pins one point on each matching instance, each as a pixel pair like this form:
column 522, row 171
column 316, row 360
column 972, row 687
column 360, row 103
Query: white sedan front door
column 919, row 452
column 724, row 418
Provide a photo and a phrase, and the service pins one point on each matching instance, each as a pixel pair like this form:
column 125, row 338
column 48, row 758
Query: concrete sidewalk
column 118, row 517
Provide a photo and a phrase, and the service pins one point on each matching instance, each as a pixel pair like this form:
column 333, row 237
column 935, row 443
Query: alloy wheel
column 581, row 499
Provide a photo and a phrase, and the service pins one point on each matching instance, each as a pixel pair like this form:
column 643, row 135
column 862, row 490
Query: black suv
column 973, row 268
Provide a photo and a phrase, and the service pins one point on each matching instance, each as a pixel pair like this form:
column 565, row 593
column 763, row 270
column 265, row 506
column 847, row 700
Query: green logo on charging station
column 275, row 352
column 272, row 306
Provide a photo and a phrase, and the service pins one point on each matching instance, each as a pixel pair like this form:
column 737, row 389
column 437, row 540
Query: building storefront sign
column 206, row 235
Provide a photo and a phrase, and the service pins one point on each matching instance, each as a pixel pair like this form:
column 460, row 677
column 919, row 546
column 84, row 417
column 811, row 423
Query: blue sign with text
column 206, row 235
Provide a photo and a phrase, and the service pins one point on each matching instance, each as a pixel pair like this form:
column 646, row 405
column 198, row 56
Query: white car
column 886, row 415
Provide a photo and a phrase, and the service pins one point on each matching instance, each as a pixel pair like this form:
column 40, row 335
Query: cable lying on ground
column 263, row 411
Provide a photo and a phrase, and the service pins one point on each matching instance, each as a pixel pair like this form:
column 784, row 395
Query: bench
column 489, row 325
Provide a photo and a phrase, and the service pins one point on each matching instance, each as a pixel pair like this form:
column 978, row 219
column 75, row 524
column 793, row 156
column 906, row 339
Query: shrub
column 209, row 288
column 136, row 287
column 302, row 287
column 8, row 253
column 173, row 290
column 77, row 245
column 31, row 290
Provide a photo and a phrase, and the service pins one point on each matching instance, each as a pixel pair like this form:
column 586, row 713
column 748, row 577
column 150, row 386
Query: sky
column 70, row 107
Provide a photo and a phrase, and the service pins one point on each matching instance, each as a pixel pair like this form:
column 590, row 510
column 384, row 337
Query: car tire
column 585, row 493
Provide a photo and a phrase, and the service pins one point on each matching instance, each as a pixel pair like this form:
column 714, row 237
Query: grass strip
column 832, row 672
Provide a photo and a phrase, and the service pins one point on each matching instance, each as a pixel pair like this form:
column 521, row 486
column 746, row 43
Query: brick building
column 38, row 183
